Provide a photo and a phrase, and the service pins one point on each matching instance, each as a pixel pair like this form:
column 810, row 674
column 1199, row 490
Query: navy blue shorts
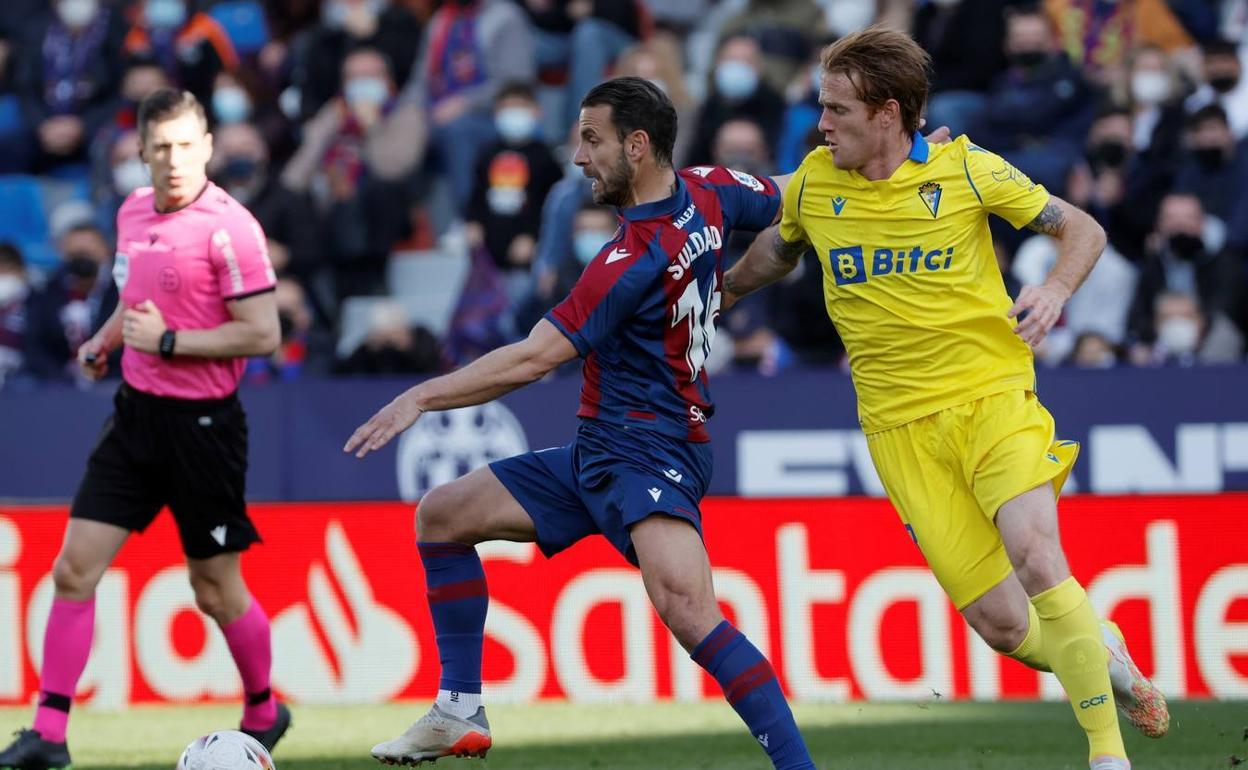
column 609, row 478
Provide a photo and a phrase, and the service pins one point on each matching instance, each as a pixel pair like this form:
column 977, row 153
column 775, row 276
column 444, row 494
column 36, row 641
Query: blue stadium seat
column 244, row 22
column 22, row 216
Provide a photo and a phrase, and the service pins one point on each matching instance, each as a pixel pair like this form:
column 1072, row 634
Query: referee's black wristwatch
column 167, row 342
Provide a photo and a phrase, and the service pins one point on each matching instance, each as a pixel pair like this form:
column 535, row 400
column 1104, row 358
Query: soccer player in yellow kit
column 942, row 365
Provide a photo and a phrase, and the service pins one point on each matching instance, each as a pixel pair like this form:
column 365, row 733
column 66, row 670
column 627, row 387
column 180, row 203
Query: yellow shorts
column 948, row 474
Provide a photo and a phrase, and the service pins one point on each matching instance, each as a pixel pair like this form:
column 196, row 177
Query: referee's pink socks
column 66, row 647
column 248, row 639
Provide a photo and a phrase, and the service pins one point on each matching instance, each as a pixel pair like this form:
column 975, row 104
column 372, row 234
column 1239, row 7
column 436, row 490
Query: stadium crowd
column 409, row 160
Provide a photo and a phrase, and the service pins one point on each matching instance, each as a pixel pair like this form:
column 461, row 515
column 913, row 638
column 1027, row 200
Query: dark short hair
column 11, row 255
column 1204, row 115
column 166, row 104
column 638, row 105
column 515, row 89
column 883, row 64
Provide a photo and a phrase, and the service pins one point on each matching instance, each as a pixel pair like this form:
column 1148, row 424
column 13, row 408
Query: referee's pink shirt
column 189, row 262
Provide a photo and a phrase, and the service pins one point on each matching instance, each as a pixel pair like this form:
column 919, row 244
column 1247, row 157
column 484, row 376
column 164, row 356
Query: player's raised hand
column 142, row 325
column 394, row 418
column 1043, row 306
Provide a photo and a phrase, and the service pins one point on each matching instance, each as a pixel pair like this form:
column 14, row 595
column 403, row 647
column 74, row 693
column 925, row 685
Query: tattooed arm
column 1080, row 241
column 769, row 258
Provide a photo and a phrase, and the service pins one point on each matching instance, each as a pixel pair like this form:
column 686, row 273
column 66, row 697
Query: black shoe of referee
column 29, row 751
column 268, row 738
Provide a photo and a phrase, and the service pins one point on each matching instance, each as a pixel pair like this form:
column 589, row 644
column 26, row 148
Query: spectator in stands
column 67, row 78
column 592, row 226
column 231, row 103
column 393, row 346
column 584, row 37
column 355, row 159
column 1187, row 334
column 1178, row 260
column 737, row 90
column 555, row 237
column 962, row 37
column 786, row 30
column 14, row 286
column 190, row 46
column 512, row 179
column 302, row 350
column 1098, row 36
column 71, row 305
column 346, row 25
column 1038, row 110
column 469, row 50
column 1223, row 84
column 800, row 117
column 659, row 60
column 1153, row 88
column 1213, row 167
column 1093, row 351
column 240, row 165
column 1116, row 185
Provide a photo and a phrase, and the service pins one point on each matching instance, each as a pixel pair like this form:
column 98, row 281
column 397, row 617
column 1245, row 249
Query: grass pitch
column 553, row 736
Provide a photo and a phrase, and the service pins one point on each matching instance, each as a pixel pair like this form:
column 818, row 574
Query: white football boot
column 437, row 734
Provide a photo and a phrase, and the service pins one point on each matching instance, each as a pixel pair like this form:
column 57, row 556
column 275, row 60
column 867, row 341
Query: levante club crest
column 930, row 193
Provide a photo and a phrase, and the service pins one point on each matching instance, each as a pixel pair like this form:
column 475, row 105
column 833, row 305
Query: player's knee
column 209, row 596
column 1039, row 563
column 1002, row 632
column 435, row 517
column 683, row 608
column 72, row 579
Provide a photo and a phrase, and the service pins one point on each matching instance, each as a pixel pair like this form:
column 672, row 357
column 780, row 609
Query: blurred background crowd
column 410, row 160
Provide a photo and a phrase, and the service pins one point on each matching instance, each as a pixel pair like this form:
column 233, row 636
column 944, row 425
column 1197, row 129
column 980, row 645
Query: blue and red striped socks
column 751, row 688
column 455, row 586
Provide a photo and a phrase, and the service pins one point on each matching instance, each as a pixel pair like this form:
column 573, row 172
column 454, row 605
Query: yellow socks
column 1070, row 641
column 1031, row 651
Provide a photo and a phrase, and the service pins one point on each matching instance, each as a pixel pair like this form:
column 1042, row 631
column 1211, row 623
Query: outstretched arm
column 493, row 375
column 1080, row 241
column 769, row 258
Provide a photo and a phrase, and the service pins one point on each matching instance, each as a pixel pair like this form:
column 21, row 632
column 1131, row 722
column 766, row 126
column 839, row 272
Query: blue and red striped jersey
column 643, row 313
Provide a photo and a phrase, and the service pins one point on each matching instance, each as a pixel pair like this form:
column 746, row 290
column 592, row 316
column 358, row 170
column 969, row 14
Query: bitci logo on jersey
column 848, row 265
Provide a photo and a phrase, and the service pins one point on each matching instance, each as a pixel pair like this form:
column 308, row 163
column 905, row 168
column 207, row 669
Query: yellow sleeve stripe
column 967, row 169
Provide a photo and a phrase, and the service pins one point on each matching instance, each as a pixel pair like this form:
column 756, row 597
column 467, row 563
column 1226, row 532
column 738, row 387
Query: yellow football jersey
column 910, row 277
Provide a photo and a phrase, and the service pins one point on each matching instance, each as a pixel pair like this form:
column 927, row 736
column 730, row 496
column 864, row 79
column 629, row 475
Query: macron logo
column 218, row 534
column 617, row 254
column 763, row 739
column 655, row 492
column 673, row 474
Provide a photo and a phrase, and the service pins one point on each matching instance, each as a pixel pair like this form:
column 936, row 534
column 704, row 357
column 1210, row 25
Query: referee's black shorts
column 189, row 455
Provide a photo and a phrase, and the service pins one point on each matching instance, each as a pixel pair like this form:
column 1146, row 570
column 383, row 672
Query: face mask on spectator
column 1185, row 245
column 11, row 287
column 1223, row 84
column 1150, row 87
column 231, row 104
column 1110, row 153
column 587, row 244
column 1179, row 335
column 515, row 125
column 165, row 14
column 1209, row 158
column 242, row 177
column 81, row 265
column 1029, row 59
column 372, row 91
column 744, row 161
column 735, row 79
column 130, row 175
column 77, row 14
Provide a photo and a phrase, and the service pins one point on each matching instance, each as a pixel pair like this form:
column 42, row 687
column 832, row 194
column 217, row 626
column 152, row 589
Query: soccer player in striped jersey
column 642, row 316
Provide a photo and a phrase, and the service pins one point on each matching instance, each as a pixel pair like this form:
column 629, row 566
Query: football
column 225, row 750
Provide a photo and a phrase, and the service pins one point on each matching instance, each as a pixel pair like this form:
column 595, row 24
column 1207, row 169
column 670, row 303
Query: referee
column 196, row 300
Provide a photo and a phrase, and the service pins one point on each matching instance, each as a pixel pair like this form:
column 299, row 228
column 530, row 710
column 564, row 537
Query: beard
column 616, row 187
